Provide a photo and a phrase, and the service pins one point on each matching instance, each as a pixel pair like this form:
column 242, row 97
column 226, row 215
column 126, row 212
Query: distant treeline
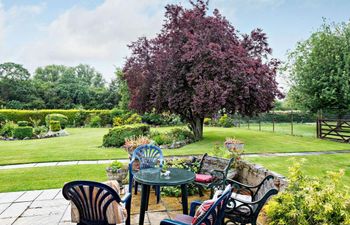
column 56, row 87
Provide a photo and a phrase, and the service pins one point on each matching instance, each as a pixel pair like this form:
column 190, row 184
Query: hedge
column 25, row 115
column 116, row 136
column 23, row 132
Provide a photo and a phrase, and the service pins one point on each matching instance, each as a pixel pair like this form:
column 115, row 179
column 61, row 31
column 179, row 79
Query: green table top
column 152, row 176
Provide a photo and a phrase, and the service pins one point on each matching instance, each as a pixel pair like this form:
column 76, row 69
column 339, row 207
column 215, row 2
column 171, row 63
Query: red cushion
column 202, row 209
column 186, row 219
column 204, row 178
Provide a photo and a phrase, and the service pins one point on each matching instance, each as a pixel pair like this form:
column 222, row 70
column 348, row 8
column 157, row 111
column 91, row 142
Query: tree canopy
column 199, row 64
column 56, row 86
column 319, row 69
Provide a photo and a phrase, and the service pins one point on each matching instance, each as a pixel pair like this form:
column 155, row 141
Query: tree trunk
column 196, row 125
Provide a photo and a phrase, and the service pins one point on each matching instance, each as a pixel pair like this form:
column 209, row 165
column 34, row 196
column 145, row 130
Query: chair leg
column 136, row 187
column 211, row 192
column 158, row 193
column 128, row 210
column 200, row 191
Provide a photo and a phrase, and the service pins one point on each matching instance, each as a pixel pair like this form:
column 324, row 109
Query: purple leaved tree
column 199, row 64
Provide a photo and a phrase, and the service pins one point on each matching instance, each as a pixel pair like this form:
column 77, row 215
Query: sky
column 96, row 32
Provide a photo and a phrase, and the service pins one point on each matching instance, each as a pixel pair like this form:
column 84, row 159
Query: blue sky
column 36, row 33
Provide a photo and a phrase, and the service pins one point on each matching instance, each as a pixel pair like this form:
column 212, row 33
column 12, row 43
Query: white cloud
column 2, row 25
column 98, row 36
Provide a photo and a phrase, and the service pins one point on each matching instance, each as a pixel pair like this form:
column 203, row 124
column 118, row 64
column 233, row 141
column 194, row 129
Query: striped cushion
column 202, row 210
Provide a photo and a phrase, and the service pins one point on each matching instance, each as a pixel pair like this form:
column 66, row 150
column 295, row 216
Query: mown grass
column 38, row 178
column 315, row 165
column 84, row 144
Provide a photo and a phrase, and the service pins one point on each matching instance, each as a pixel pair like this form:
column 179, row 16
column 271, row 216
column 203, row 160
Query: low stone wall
column 253, row 174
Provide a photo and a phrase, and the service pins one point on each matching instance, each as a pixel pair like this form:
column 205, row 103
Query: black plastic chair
column 93, row 208
column 243, row 212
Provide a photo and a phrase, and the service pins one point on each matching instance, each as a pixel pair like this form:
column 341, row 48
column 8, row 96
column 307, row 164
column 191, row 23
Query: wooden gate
column 334, row 129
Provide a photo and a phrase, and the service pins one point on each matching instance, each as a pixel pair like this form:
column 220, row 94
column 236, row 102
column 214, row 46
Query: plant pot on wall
column 118, row 175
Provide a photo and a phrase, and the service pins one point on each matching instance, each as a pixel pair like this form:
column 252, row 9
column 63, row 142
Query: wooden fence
column 334, row 129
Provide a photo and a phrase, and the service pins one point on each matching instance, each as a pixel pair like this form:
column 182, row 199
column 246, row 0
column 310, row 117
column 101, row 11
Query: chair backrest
column 91, row 199
column 216, row 212
column 208, row 163
column 268, row 183
column 149, row 156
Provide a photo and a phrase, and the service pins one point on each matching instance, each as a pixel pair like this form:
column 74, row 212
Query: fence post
column 318, row 124
column 248, row 124
column 273, row 121
column 259, row 125
column 291, row 123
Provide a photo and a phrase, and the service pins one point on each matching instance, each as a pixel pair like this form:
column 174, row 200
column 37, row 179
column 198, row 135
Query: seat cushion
column 245, row 198
column 184, row 218
column 202, row 209
column 204, row 178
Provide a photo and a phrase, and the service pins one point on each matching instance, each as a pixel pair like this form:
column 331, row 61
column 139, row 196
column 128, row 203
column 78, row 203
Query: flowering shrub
column 132, row 143
column 310, row 201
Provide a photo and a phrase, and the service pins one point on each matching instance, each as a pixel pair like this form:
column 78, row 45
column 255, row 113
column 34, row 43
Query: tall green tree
column 319, row 70
column 123, row 91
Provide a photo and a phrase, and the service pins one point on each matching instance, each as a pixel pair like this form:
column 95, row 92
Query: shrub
column 181, row 134
column 55, row 125
column 162, row 139
column 56, row 117
column 80, row 118
column 22, row 123
column 2, row 119
column 117, row 121
column 310, row 201
column 207, row 121
column 7, row 129
column 116, row 136
column 134, row 118
column 95, row 121
column 23, row 132
column 133, row 142
column 39, row 130
column 226, row 121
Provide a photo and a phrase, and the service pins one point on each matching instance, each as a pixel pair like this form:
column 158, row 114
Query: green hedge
column 71, row 114
column 117, row 135
column 63, row 120
column 55, row 125
column 23, row 132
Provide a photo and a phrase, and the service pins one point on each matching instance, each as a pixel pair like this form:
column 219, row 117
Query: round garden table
column 152, row 177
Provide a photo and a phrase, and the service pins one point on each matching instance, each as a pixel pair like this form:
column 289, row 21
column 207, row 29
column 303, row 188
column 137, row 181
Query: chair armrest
column 215, row 171
column 193, row 207
column 126, row 198
column 239, row 186
column 171, row 222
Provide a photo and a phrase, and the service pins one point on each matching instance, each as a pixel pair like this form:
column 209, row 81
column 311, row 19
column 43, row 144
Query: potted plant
column 133, row 142
column 117, row 171
column 232, row 143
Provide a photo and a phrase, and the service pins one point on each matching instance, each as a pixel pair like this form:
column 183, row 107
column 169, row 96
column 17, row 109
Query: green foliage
column 38, row 130
column 57, row 117
column 123, row 91
column 181, row 134
column 115, row 166
column 207, row 121
column 134, row 118
column 116, row 136
column 163, row 119
column 162, row 138
column 22, row 123
column 55, row 125
column 23, row 132
column 8, row 129
column 80, row 118
column 183, row 164
column 2, row 120
column 319, row 69
column 226, row 121
column 310, row 201
column 95, row 121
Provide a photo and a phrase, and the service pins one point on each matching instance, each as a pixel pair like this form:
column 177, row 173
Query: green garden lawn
column 38, row 178
column 84, row 144
column 316, row 165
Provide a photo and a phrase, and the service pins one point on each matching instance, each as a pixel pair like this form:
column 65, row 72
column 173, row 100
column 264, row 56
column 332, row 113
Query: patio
column 43, row 207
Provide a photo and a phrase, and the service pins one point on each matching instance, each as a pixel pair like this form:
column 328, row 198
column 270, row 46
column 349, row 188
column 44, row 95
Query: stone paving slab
column 29, row 196
column 48, row 194
column 67, row 163
column 10, row 197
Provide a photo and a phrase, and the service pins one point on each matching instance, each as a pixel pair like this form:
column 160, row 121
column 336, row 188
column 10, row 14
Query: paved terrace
column 48, row 207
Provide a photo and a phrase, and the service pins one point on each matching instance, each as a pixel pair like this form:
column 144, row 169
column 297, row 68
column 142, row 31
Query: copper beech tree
column 199, row 64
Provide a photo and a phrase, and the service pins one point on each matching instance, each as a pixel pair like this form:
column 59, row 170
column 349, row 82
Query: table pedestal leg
column 144, row 203
column 184, row 194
